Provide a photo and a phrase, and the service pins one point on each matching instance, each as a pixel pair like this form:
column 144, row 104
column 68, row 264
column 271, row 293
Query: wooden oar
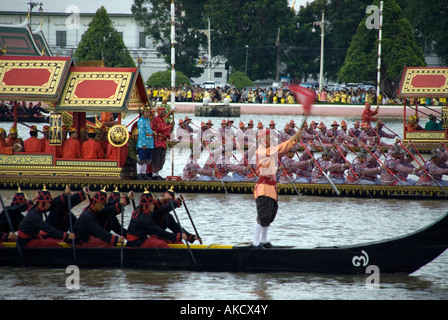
column 321, row 170
column 122, row 244
column 429, row 175
column 181, row 231
column 388, row 170
column 216, row 167
column 289, row 178
column 69, row 202
column 192, row 223
column 8, row 219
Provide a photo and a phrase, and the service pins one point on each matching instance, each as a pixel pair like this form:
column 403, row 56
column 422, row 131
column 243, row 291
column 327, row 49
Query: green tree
column 249, row 27
column 101, row 40
column 240, row 80
column 399, row 48
column 156, row 22
column 163, row 79
column 430, row 22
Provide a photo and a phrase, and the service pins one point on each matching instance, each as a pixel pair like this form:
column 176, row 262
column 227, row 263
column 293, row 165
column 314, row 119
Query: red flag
column 304, row 96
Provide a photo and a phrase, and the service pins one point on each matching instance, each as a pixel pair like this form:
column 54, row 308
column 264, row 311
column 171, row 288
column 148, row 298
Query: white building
column 65, row 21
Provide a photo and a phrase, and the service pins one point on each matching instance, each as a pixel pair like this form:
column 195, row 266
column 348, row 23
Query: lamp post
column 247, row 51
column 321, row 24
column 32, row 5
column 208, row 33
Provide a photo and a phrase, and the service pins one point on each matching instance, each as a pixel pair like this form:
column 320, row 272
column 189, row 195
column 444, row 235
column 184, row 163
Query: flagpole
column 380, row 33
column 173, row 75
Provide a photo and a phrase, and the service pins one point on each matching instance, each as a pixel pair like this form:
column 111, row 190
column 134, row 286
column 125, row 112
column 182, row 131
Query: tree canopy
column 155, row 17
column 240, row 80
column 399, row 48
column 248, row 29
column 163, row 79
column 102, row 41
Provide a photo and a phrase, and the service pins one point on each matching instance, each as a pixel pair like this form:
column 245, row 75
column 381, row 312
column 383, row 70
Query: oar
column 122, row 244
column 192, row 223
column 132, row 121
column 69, row 202
column 289, row 178
column 219, row 175
column 388, row 170
column 356, row 175
column 323, row 172
column 392, row 131
column 181, row 231
column 429, row 175
column 8, row 219
column 424, row 112
column 242, row 153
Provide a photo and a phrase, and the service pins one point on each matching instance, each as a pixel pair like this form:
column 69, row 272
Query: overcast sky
column 299, row 3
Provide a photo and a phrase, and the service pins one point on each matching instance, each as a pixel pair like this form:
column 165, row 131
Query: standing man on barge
column 265, row 192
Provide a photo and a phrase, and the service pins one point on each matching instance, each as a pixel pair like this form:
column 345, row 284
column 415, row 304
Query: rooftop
column 66, row 6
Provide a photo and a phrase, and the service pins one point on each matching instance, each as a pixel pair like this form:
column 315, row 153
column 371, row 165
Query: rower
column 148, row 226
column 289, row 166
column 89, row 232
column 33, row 227
column 19, row 204
column 326, row 165
column 59, row 214
column 360, row 173
column 435, row 171
column 393, row 165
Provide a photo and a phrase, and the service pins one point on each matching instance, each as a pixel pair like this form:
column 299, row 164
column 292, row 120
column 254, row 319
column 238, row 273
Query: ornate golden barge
column 67, row 88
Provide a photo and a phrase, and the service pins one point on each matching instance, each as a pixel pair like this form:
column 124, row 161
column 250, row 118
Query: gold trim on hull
column 325, row 190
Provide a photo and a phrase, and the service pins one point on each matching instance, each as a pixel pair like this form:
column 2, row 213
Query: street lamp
column 32, row 5
column 321, row 24
column 247, row 49
column 208, row 33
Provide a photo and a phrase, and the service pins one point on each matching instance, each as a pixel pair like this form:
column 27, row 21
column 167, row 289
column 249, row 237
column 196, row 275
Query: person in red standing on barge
column 368, row 114
column 162, row 132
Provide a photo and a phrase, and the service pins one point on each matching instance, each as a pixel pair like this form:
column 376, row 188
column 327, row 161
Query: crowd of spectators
column 282, row 95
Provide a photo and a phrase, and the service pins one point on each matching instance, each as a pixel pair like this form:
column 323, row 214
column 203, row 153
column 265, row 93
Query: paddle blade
column 304, row 96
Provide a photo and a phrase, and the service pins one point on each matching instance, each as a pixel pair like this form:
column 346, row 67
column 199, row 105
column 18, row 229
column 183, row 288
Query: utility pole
column 277, row 44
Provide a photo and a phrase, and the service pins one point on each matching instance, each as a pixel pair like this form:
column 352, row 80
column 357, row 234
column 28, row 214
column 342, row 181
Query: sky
column 298, row 3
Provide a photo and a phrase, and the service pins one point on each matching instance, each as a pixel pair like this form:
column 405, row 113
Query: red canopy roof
column 419, row 82
column 102, row 89
column 32, row 78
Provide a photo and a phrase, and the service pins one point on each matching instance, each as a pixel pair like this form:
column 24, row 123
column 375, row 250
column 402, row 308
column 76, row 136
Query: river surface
column 303, row 221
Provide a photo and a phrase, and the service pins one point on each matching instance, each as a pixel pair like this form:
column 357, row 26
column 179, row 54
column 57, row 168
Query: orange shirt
column 10, row 141
column 267, row 164
column 106, row 117
column 56, row 150
column 33, row 144
column 91, row 149
column 117, row 153
column 71, row 149
column 4, row 149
